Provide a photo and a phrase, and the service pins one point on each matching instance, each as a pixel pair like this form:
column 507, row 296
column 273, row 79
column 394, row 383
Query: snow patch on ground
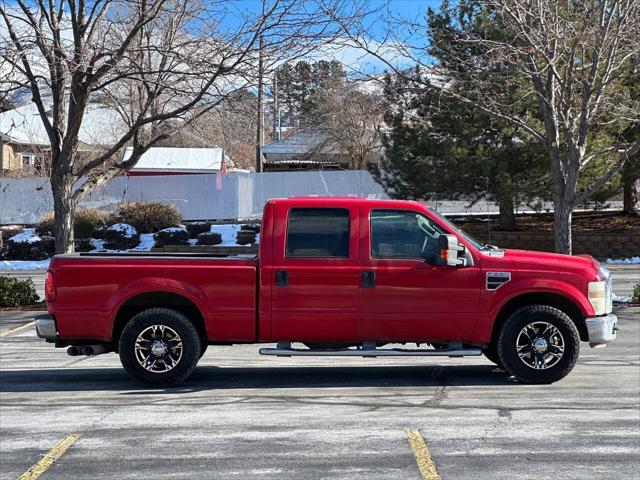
column 97, row 244
column 24, row 264
column 624, row 261
column 228, row 233
column 146, row 243
column 124, row 228
column 621, row 299
column 28, row 236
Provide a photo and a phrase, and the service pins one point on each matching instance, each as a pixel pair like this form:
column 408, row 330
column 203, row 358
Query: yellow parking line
column 50, row 458
column 15, row 329
column 422, row 454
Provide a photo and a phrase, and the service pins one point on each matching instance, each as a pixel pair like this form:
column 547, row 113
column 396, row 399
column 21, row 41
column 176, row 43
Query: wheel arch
column 556, row 300
column 143, row 301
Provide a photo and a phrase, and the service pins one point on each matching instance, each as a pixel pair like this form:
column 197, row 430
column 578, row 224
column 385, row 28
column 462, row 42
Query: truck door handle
column 368, row 279
column 282, row 278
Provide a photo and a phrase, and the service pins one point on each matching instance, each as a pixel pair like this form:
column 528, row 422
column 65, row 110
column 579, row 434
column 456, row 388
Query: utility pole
column 260, row 129
column 276, row 110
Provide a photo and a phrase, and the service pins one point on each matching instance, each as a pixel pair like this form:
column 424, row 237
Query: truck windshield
column 476, row 244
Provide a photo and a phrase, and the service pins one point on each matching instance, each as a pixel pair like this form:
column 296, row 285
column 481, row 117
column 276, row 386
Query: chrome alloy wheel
column 540, row 345
column 158, row 348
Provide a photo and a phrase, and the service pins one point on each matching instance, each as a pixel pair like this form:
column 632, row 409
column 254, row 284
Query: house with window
column 24, row 143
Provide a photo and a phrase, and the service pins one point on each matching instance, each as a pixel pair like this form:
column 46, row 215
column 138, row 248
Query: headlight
column 601, row 293
column 598, row 297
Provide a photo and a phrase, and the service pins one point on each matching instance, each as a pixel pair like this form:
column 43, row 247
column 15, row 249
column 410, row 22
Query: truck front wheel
column 160, row 347
column 538, row 344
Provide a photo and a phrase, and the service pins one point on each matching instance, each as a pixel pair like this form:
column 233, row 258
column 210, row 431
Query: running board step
column 370, row 352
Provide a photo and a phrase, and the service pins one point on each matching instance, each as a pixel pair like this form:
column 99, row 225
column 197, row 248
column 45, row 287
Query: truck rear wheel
column 160, row 347
column 538, row 344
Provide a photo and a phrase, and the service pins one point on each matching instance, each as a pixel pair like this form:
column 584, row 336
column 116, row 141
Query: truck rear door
column 315, row 273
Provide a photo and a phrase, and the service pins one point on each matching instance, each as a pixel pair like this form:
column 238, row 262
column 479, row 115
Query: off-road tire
column 174, row 320
column 517, row 321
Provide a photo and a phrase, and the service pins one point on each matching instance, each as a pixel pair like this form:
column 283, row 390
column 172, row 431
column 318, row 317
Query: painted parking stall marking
column 423, row 456
column 16, row 329
column 50, row 458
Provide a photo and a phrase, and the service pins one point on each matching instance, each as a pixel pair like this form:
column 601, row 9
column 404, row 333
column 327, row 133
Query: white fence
column 204, row 197
column 200, row 197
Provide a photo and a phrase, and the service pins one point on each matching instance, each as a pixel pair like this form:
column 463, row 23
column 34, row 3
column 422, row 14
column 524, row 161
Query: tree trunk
column 562, row 225
column 507, row 215
column 64, row 210
column 631, row 196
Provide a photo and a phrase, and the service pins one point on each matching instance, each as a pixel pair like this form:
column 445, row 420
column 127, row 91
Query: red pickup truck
column 343, row 277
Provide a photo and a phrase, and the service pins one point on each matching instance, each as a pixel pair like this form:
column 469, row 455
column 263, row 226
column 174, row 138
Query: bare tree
column 160, row 64
column 350, row 120
column 577, row 59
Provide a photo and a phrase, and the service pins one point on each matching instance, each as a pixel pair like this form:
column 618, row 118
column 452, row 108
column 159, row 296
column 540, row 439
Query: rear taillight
column 50, row 288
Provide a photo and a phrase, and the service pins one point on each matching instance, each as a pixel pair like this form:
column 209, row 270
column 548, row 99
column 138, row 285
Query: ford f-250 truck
column 341, row 276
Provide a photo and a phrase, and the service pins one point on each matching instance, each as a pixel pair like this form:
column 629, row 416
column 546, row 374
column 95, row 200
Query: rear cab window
column 318, row 232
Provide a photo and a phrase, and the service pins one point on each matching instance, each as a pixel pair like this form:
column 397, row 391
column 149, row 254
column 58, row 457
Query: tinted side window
column 318, row 232
column 403, row 234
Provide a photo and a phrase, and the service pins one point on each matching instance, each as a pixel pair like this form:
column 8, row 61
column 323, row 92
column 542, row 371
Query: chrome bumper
column 601, row 329
column 46, row 327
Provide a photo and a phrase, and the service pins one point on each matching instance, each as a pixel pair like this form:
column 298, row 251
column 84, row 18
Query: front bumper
column 46, row 327
column 601, row 329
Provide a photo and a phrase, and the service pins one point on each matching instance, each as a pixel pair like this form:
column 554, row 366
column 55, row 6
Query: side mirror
column 450, row 252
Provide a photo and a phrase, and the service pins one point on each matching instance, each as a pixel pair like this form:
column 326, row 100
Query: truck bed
column 94, row 288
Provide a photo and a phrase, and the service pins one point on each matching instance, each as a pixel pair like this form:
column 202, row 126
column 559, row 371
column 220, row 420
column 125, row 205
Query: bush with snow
column 250, row 227
column 245, row 237
column 9, row 231
column 29, row 246
column 209, row 238
column 172, row 236
column 121, row 236
column 196, row 228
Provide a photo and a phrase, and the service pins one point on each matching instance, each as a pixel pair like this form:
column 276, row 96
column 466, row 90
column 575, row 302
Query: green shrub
column 85, row 223
column 148, row 217
column 17, row 293
column 636, row 293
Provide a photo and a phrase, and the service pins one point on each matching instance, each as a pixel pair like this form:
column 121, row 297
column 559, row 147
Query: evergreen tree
column 297, row 84
column 441, row 148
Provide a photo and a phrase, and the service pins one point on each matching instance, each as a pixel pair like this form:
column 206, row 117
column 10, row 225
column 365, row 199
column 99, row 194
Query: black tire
column 538, row 366
column 172, row 321
column 492, row 354
column 203, row 348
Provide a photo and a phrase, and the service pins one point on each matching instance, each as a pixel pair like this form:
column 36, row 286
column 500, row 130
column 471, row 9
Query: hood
column 583, row 265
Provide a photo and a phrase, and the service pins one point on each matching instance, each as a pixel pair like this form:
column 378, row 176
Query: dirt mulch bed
column 603, row 222
column 36, row 307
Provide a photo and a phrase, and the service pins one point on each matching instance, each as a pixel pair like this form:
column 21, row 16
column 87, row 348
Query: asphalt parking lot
column 245, row 416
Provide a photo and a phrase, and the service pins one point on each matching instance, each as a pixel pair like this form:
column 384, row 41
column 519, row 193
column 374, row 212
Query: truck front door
column 315, row 273
column 408, row 297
